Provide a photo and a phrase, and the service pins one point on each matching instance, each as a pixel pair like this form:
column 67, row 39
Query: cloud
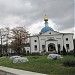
column 69, row 30
column 11, row 21
column 30, row 13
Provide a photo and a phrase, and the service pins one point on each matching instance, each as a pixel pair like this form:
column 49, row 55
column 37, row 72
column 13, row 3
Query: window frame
column 35, row 47
column 66, row 39
column 67, row 46
column 35, row 40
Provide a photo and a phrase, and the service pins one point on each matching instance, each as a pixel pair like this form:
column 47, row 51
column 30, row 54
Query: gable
column 50, row 32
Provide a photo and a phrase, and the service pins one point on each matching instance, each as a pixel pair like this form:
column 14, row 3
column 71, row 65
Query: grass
column 42, row 65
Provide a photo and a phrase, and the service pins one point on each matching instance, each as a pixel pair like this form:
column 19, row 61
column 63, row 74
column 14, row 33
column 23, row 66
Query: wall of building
column 33, row 43
column 50, row 32
column 61, row 40
column 69, row 41
column 44, row 38
column 27, row 49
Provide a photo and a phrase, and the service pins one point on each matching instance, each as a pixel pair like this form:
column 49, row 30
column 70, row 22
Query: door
column 51, row 47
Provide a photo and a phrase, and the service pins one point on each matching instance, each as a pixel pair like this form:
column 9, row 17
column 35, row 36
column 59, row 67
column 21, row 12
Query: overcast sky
column 30, row 14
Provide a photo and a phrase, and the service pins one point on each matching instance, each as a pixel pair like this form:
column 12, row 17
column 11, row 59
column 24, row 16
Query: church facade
column 49, row 40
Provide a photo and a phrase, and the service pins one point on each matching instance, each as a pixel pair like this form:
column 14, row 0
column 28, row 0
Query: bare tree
column 20, row 36
column 4, row 38
column 1, row 40
column 7, row 30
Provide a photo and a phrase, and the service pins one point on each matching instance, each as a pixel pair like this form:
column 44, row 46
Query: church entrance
column 51, row 47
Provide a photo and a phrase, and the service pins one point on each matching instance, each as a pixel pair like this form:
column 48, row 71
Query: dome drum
column 45, row 29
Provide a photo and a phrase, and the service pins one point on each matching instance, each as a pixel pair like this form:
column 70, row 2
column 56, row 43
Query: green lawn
column 42, row 65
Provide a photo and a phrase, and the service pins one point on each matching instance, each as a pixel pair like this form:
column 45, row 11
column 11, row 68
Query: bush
column 64, row 51
column 69, row 63
column 74, row 52
column 1, row 55
column 35, row 57
column 71, row 52
column 50, row 52
column 33, row 54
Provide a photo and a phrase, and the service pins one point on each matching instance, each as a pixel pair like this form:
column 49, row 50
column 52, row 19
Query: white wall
column 70, row 41
column 52, row 33
column 61, row 39
column 27, row 49
column 10, row 50
column 33, row 43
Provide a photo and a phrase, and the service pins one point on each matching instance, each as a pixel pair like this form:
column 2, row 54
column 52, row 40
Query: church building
column 49, row 40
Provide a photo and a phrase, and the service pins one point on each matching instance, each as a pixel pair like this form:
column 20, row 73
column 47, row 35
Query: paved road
column 19, row 72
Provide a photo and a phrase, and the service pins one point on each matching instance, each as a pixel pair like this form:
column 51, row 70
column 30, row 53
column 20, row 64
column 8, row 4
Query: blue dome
column 45, row 29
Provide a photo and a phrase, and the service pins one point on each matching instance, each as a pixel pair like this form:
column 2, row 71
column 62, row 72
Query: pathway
column 19, row 72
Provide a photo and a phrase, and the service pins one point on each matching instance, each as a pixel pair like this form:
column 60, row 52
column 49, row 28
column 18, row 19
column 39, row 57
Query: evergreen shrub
column 69, row 63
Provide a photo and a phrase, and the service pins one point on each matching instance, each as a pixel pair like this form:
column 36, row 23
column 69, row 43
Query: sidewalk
column 19, row 72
